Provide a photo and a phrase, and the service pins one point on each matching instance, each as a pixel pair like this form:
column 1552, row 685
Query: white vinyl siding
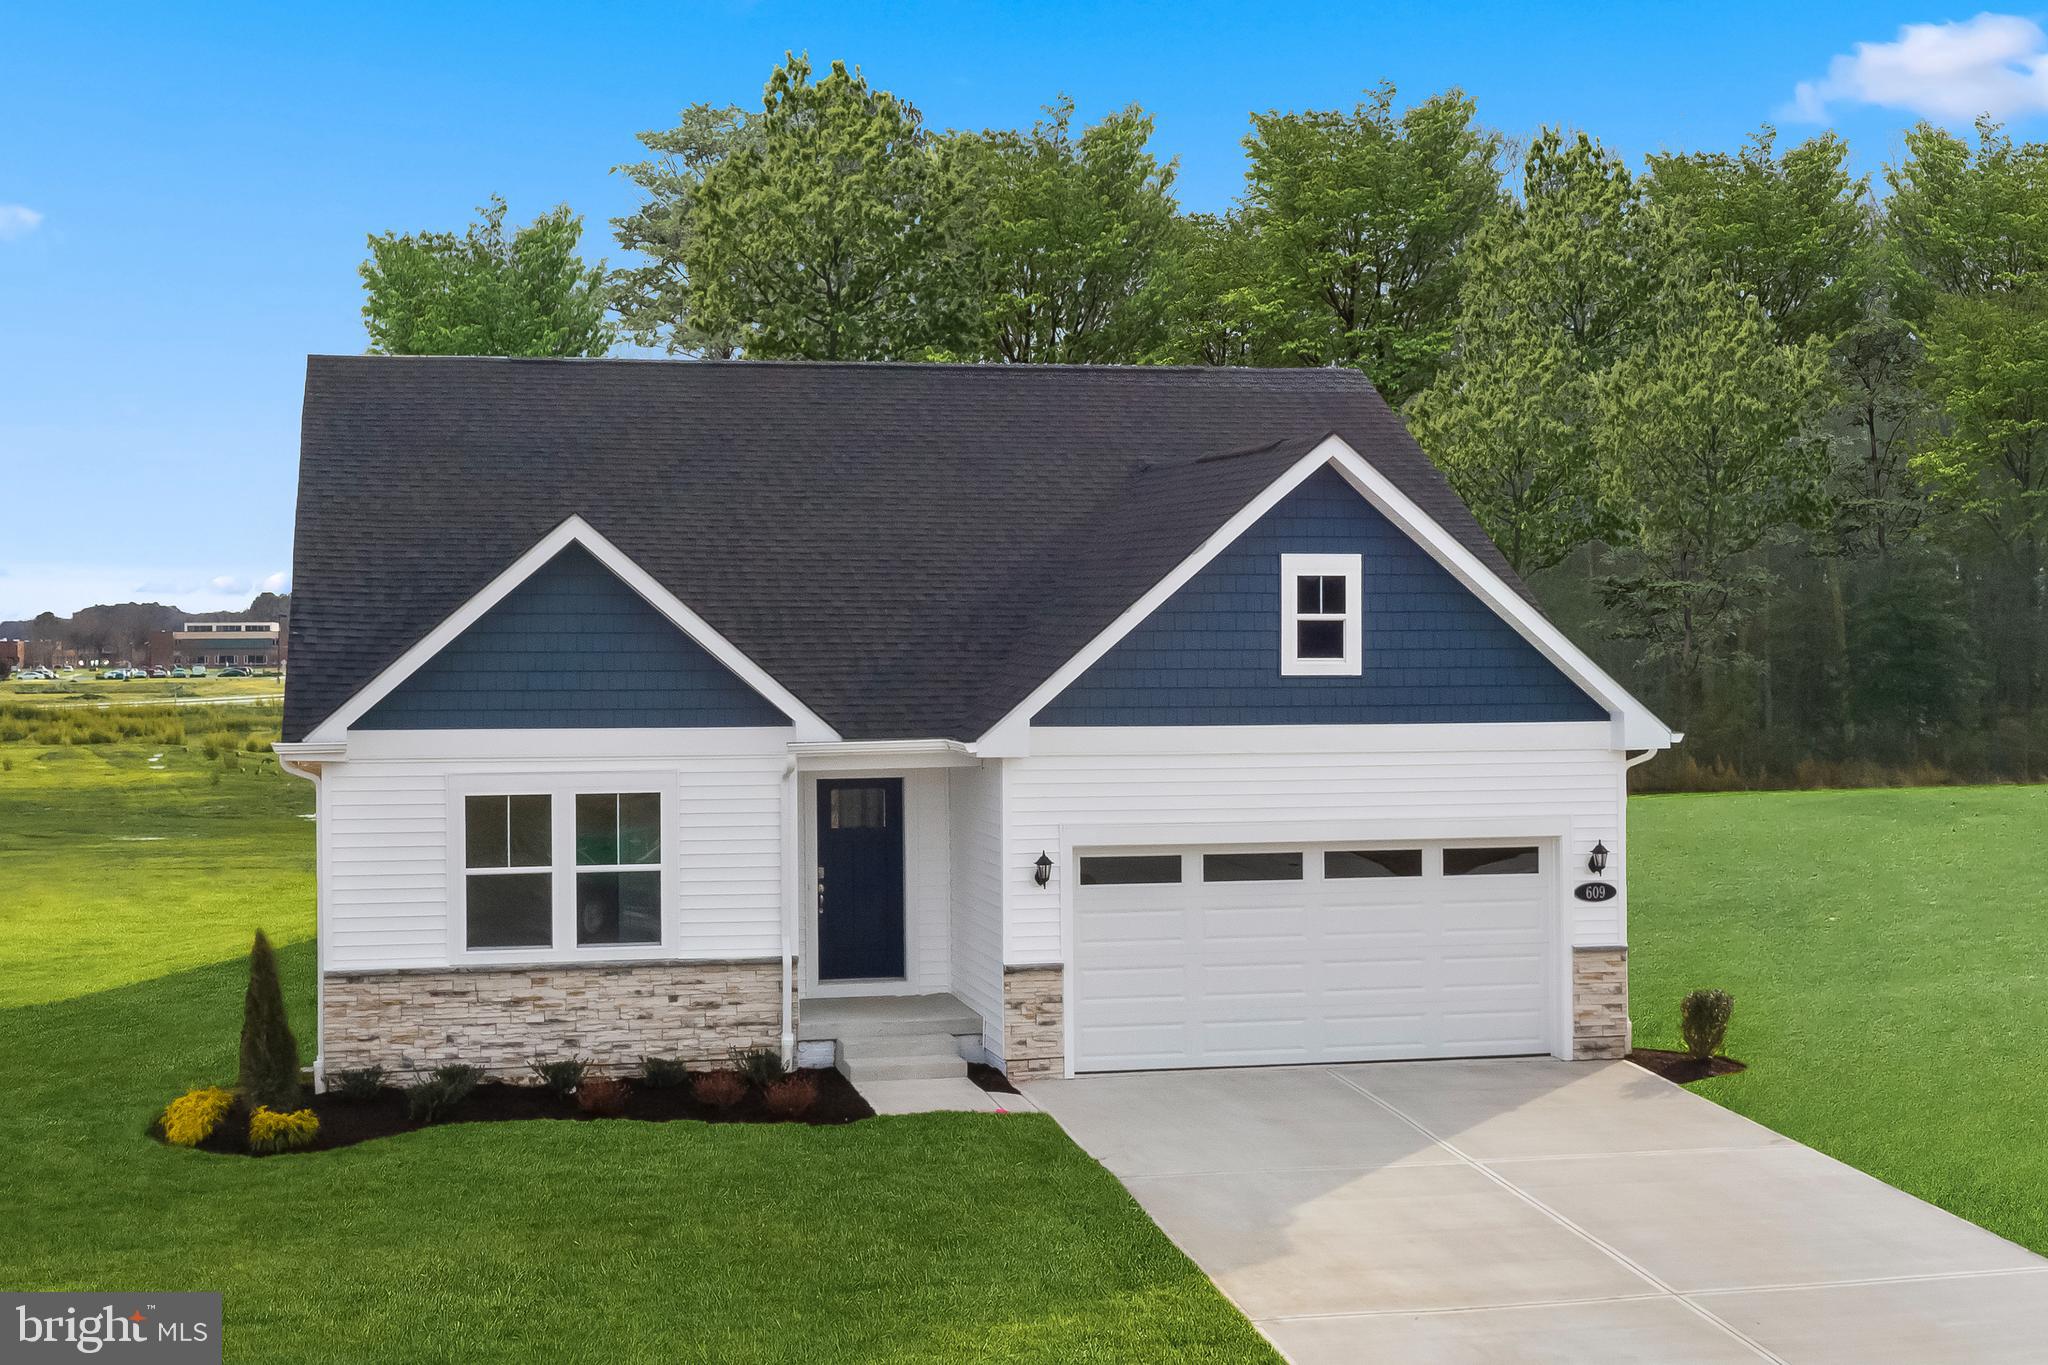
column 1055, row 801
column 977, row 899
column 386, row 883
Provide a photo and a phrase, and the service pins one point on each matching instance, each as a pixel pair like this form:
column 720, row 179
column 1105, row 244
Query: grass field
column 1888, row 954
column 130, row 879
column 86, row 687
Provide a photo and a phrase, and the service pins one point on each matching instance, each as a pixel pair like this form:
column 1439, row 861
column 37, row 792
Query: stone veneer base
column 503, row 1018
column 1034, row 1022
column 1600, row 1026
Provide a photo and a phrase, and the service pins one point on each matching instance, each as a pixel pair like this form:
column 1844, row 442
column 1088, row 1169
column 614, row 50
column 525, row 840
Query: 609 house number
column 1595, row 891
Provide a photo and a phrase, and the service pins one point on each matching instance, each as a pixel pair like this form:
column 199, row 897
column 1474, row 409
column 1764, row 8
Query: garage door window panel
column 1349, row 863
column 1516, row 861
column 1251, row 867
column 1142, row 869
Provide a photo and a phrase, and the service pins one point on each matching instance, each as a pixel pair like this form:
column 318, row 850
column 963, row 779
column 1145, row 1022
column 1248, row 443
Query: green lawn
column 85, row 686
column 1888, row 954
column 127, row 891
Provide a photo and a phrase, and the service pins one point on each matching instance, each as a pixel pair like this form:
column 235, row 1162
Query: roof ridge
column 1341, row 373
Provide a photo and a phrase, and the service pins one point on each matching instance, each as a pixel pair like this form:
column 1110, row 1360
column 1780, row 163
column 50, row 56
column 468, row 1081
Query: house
column 252, row 644
column 1101, row 718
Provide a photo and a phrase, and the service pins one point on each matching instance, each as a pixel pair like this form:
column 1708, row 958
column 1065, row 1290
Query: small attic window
column 1320, row 632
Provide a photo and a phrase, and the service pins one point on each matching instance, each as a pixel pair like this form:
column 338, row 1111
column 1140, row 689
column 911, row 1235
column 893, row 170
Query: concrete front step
column 840, row 1019
column 900, row 1057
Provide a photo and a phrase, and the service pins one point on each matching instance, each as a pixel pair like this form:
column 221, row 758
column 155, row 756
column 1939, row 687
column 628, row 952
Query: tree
column 653, row 300
column 1792, row 232
column 1701, row 433
column 269, row 1071
column 1214, row 304
column 1548, row 293
column 1066, row 234
column 1967, row 221
column 1362, row 217
column 833, row 236
column 433, row 293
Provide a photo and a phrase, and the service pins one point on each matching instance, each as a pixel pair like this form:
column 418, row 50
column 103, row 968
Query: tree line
column 1768, row 437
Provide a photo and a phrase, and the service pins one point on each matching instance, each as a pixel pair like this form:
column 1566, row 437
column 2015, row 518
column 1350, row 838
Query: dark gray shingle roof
column 910, row 549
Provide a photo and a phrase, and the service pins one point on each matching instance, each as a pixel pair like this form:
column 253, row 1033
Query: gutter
column 791, row 891
column 310, row 772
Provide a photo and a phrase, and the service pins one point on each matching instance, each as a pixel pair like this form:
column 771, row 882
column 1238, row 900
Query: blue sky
column 185, row 190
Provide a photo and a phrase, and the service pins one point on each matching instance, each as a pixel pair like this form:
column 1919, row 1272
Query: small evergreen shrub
column 561, row 1076
column 362, row 1083
column 719, row 1089
column 761, row 1065
column 602, row 1096
column 663, row 1073
column 191, row 1118
column 1703, row 1021
column 270, row 1131
column 434, row 1097
column 269, row 1071
column 792, row 1095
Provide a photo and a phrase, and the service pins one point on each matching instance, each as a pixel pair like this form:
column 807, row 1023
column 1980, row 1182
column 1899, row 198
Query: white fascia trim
column 1633, row 726
column 882, row 755
column 575, row 530
column 1364, row 740
column 292, row 756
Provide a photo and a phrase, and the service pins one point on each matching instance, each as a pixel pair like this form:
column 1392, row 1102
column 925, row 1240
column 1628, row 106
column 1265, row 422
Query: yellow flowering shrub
column 270, row 1131
column 189, row 1119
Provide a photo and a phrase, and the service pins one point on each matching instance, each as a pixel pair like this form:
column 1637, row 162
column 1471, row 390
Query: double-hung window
column 560, row 870
column 1321, row 634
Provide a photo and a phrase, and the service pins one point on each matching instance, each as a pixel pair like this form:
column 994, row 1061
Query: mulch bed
column 990, row 1079
column 345, row 1122
column 1683, row 1067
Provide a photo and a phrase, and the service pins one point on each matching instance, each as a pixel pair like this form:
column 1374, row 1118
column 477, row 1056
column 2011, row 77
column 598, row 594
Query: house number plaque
column 1595, row 891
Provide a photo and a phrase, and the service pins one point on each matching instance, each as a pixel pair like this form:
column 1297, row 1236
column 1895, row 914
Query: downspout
column 312, row 775
column 791, row 890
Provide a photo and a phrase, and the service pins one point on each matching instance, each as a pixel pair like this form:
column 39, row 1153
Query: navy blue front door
column 860, row 878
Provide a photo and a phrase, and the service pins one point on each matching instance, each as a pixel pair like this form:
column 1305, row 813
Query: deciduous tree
column 434, row 293
column 653, row 298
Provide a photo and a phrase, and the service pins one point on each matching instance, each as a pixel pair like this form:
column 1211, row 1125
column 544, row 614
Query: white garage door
column 1317, row 953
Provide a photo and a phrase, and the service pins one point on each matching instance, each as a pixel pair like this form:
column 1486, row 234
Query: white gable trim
column 1633, row 725
column 808, row 725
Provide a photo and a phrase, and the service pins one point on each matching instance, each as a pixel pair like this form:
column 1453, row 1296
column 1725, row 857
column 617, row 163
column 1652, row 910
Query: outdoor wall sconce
column 1044, row 869
column 1596, row 861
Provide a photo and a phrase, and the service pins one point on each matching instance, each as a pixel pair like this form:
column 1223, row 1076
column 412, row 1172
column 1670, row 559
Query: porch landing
column 838, row 1018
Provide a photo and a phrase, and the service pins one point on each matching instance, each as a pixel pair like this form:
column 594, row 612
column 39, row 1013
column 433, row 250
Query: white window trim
column 562, row 790
column 1351, row 569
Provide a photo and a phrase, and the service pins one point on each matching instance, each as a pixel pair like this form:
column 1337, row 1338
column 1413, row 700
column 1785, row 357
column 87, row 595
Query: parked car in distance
column 180, row 673
column 159, row 672
column 114, row 674
column 199, row 670
column 234, row 671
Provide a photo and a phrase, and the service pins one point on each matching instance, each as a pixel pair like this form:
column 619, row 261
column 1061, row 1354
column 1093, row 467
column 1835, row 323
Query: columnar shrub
column 270, row 1055
column 1703, row 1021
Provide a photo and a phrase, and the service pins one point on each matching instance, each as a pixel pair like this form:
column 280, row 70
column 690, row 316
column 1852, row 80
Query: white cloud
column 1994, row 64
column 18, row 220
column 276, row 582
column 225, row 583
column 64, row 588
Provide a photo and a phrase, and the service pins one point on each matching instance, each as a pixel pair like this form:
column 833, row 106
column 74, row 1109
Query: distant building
column 14, row 653
column 252, row 644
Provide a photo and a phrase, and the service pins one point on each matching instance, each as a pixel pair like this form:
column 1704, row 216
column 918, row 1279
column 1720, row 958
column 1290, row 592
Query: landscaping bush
column 663, row 1073
column 362, row 1083
column 602, row 1096
column 761, row 1065
column 270, row 1131
column 270, row 1055
column 792, row 1095
column 719, row 1089
column 562, row 1076
column 1703, row 1021
column 191, row 1118
column 434, row 1097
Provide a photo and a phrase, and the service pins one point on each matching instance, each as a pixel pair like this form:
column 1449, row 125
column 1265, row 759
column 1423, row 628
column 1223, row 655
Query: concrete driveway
column 1533, row 1210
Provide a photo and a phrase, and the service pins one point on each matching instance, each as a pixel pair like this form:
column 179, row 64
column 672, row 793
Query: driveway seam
column 1562, row 1221
column 1648, row 1296
column 1874, row 1279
